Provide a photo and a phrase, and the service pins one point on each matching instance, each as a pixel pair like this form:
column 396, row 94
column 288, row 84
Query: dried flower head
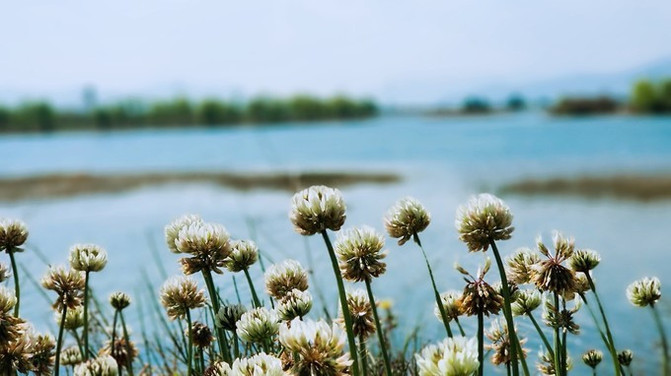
column 74, row 318
column 520, row 266
column 561, row 318
column 11, row 327
column 550, row 274
column 484, row 219
column 526, row 302
column 87, row 258
column 219, row 368
column 16, row 355
column 208, row 244
column 546, row 364
column 296, row 303
column 180, row 294
column 228, row 316
column 453, row 356
column 592, row 357
column 172, row 230
column 244, row 254
column 71, row 356
column 13, row 233
column 500, row 346
column 316, row 209
column 363, row 324
column 119, row 300
column 644, row 292
column 260, row 364
column 359, row 252
column 43, row 354
column 201, row 335
column 68, row 284
column 581, row 285
column 451, row 301
column 124, row 352
column 258, row 325
column 625, row 357
column 319, row 346
column 584, row 260
column 4, row 273
column 103, row 365
column 406, row 219
column 479, row 296
column 284, row 277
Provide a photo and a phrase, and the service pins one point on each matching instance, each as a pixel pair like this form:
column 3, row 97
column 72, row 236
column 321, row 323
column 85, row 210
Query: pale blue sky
column 378, row 48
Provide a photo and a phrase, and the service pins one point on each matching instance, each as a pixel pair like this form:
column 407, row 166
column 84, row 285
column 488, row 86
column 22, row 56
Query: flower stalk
column 380, row 333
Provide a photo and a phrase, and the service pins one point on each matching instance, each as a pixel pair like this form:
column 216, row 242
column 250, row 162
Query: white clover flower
column 457, row 356
column 119, row 300
column 71, row 356
column 7, row 300
column 405, row 219
column 103, row 365
column 180, row 294
column 520, row 266
column 644, row 292
column 260, row 364
column 258, row 325
column 361, row 312
column 208, row 244
column 87, row 257
column 296, row 303
column 319, row 346
column 359, row 252
column 284, row 277
column 244, row 254
column 584, row 260
column 74, row 318
column 484, row 219
column 451, row 301
column 316, row 209
column 525, row 302
column 13, row 233
column 172, row 230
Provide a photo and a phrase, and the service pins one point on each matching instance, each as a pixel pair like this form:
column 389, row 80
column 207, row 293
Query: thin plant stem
column 616, row 363
column 59, row 342
column 557, row 344
column 364, row 357
column 380, row 334
column 343, row 302
column 127, row 340
column 17, row 286
column 214, row 298
column 439, row 301
column 86, row 316
column 189, row 356
column 236, row 344
column 611, row 346
column 665, row 344
column 116, row 314
column 508, row 368
column 461, row 330
column 481, row 344
column 507, row 312
column 202, row 359
column 255, row 297
column 541, row 334
column 78, row 340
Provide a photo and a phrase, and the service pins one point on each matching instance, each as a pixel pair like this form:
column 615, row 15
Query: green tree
column 644, row 97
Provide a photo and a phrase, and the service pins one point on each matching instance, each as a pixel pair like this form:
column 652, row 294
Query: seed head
column 201, row 335
column 520, row 266
column 561, row 318
column 592, row 357
column 172, row 230
column 625, row 357
column 479, row 296
column 124, row 352
column 405, row 219
column 180, row 294
column 219, row 368
column 13, row 233
column 644, row 292
column 500, row 346
column 584, row 260
column 71, row 356
column 68, row 285
column 546, row 364
column 526, row 302
column 363, row 324
column 451, row 301
column 550, row 274
column 207, row 243
column 11, row 327
column 260, row 364
column 296, row 303
column 258, row 325
column 16, row 355
column 119, row 300
column 484, row 219
column 103, row 365
column 284, row 277
column 228, row 316
column 319, row 346
column 243, row 255
column 316, row 209
column 87, row 258
column 359, row 251
column 4, row 272
column 453, row 356
column 74, row 318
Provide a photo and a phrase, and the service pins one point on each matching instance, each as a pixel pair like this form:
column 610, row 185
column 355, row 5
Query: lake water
column 442, row 162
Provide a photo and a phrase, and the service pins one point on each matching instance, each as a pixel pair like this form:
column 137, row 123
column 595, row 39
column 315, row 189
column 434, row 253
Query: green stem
column 113, row 353
column 343, row 302
column 362, row 354
column 59, row 342
column 255, row 297
column 507, row 312
column 127, row 340
column 461, row 330
column 17, row 286
column 380, row 334
column 236, row 344
column 616, row 363
column 557, row 358
column 189, row 356
column 542, row 335
column 665, row 344
column 214, row 298
column 439, row 301
column 611, row 346
column 79, row 341
column 86, row 317
column 481, row 344
column 202, row 360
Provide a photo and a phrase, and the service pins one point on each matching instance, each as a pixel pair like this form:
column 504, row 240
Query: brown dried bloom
column 284, row 277
column 406, row 219
column 359, row 251
column 180, row 294
column 4, row 273
column 484, row 219
column 451, row 301
column 520, row 266
column 546, row 364
column 243, row 255
column 16, row 355
column 11, row 327
column 550, row 274
column 13, row 233
column 316, row 209
column 119, row 300
column 228, row 316
column 561, row 318
column 363, row 324
column 625, row 357
column 207, row 243
column 124, row 352
column 592, row 357
column 500, row 346
column 479, row 296
column 43, row 354
column 68, row 284
column 201, row 335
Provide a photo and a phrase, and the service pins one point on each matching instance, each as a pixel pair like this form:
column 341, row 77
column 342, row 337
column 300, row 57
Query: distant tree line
column 651, row 98
column 133, row 113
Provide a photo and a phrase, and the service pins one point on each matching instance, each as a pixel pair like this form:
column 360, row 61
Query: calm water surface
column 442, row 161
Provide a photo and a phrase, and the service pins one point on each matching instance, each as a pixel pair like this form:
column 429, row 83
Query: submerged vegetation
column 133, row 113
column 276, row 330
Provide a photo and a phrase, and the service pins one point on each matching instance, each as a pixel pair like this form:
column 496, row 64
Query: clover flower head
column 361, row 311
column 13, row 233
column 561, row 318
column 625, row 357
column 103, row 365
column 451, row 301
column 172, row 230
column 453, row 356
column 526, row 302
column 550, row 274
column 260, row 364
column 87, row 258
column 584, row 260
column 359, row 252
column 546, row 364
column 4, row 272
column 284, row 277
column 124, row 352
column 644, row 292
column 258, row 325
column 499, row 336
column 592, row 358
column 479, row 296
column 228, row 316
column 180, row 294
column 201, row 335
column 74, row 318
column 316, row 209
column 208, row 245
column 119, row 300
column 71, row 356
column 406, row 219
column 68, row 285
column 520, row 266
column 296, row 303
column 244, row 254
column 485, row 218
